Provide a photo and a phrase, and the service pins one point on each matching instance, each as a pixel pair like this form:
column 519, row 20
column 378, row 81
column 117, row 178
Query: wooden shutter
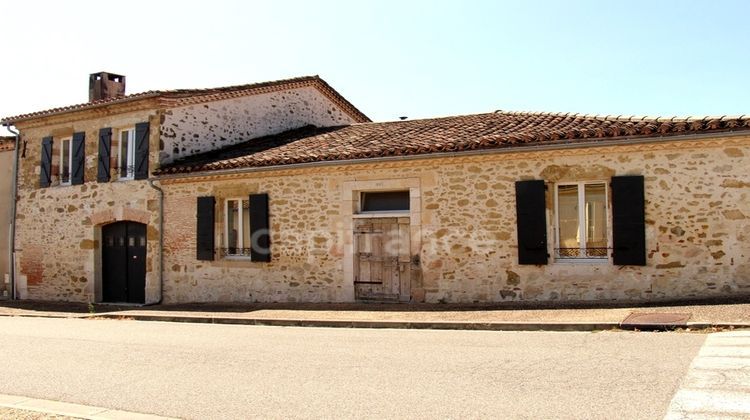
column 628, row 220
column 46, row 163
column 105, row 152
column 205, row 229
column 79, row 158
column 260, row 235
column 531, row 221
column 141, row 150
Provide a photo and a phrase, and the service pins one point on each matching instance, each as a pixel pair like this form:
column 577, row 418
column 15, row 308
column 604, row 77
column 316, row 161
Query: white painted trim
column 582, row 233
column 237, row 258
column 130, row 158
column 70, row 161
column 240, row 231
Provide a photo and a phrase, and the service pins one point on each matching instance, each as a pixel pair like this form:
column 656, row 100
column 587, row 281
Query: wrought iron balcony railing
column 572, row 253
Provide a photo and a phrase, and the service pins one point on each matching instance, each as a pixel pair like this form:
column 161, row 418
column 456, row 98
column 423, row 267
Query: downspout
column 161, row 241
column 13, row 202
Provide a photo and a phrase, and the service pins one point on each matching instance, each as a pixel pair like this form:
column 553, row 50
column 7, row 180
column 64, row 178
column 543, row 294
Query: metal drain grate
column 655, row 320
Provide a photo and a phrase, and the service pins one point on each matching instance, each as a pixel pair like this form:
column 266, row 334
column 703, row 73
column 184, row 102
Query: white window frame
column 130, row 158
column 582, row 225
column 240, row 230
column 70, row 161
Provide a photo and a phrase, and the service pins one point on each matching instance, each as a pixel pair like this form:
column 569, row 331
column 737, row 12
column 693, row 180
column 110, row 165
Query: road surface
column 228, row 371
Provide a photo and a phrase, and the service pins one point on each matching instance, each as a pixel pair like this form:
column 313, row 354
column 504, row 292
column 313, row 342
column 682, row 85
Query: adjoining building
column 7, row 153
column 285, row 192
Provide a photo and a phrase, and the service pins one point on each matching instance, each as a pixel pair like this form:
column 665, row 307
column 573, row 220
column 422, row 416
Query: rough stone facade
column 202, row 127
column 59, row 228
column 463, row 215
column 58, row 235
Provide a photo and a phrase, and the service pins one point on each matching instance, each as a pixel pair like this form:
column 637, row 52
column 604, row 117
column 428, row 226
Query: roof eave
column 92, row 106
column 561, row 145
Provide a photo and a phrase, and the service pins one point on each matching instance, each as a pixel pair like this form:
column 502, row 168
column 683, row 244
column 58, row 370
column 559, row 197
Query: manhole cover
column 655, row 320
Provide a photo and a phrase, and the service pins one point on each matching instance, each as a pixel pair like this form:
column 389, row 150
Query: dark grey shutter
column 205, row 229
column 46, row 163
column 141, row 150
column 79, row 158
column 105, row 151
column 260, row 235
column 531, row 222
column 628, row 220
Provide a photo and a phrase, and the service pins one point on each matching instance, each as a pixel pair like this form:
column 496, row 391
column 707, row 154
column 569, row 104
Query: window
column 385, row 201
column 581, row 210
column 126, row 154
column 237, row 234
column 66, row 161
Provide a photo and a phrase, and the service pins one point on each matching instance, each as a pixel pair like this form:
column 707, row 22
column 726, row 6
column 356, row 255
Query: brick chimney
column 105, row 85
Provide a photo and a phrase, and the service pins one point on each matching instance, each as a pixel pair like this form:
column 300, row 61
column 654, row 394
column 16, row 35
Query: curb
column 414, row 325
column 417, row 325
column 72, row 410
column 32, row 315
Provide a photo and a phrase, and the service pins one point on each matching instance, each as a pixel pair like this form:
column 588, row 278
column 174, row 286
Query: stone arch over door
column 119, row 214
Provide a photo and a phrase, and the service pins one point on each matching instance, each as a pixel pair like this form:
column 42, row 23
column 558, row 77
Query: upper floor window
column 66, row 161
column 581, row 210
column 126, row 154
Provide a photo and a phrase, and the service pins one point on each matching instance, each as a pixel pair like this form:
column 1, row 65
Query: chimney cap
column 105, row 85
column 106, row 74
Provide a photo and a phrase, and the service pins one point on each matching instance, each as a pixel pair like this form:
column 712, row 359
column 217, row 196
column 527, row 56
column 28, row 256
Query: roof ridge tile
column 220, row 92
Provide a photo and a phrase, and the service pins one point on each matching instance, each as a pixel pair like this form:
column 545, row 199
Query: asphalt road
column 226, row 371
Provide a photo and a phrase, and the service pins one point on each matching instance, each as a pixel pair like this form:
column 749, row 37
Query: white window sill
column 579, row 261
column 237, row 258
column 376, row 214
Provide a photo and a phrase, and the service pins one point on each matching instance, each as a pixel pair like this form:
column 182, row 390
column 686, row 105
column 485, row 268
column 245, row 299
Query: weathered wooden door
column 124, row 262
column 382, row 259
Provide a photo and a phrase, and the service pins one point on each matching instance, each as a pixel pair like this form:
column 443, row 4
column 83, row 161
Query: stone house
column 89, row 223
column 284, row 192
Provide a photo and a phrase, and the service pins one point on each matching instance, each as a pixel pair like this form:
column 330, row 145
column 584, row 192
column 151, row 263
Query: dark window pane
column 385, row 201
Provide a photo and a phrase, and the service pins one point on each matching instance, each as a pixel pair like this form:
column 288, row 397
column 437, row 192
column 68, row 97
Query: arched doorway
column 124, row 262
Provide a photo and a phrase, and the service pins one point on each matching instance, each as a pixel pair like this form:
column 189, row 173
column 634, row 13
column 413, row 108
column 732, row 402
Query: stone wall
column 201, row 127
column 59, row 228
column 462, row 216
column 697, row 235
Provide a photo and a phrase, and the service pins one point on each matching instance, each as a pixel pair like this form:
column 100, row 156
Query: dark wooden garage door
column 124, row 262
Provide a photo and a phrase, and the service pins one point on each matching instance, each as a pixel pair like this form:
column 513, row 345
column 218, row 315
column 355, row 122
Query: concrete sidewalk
column 420, row 316
column 18, row 407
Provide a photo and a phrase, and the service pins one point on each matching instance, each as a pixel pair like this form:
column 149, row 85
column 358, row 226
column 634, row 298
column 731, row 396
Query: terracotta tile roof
column 179, row 97
column 450, row 134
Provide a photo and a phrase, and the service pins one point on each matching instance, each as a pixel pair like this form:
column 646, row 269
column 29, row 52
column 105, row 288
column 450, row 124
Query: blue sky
column 394, row 58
